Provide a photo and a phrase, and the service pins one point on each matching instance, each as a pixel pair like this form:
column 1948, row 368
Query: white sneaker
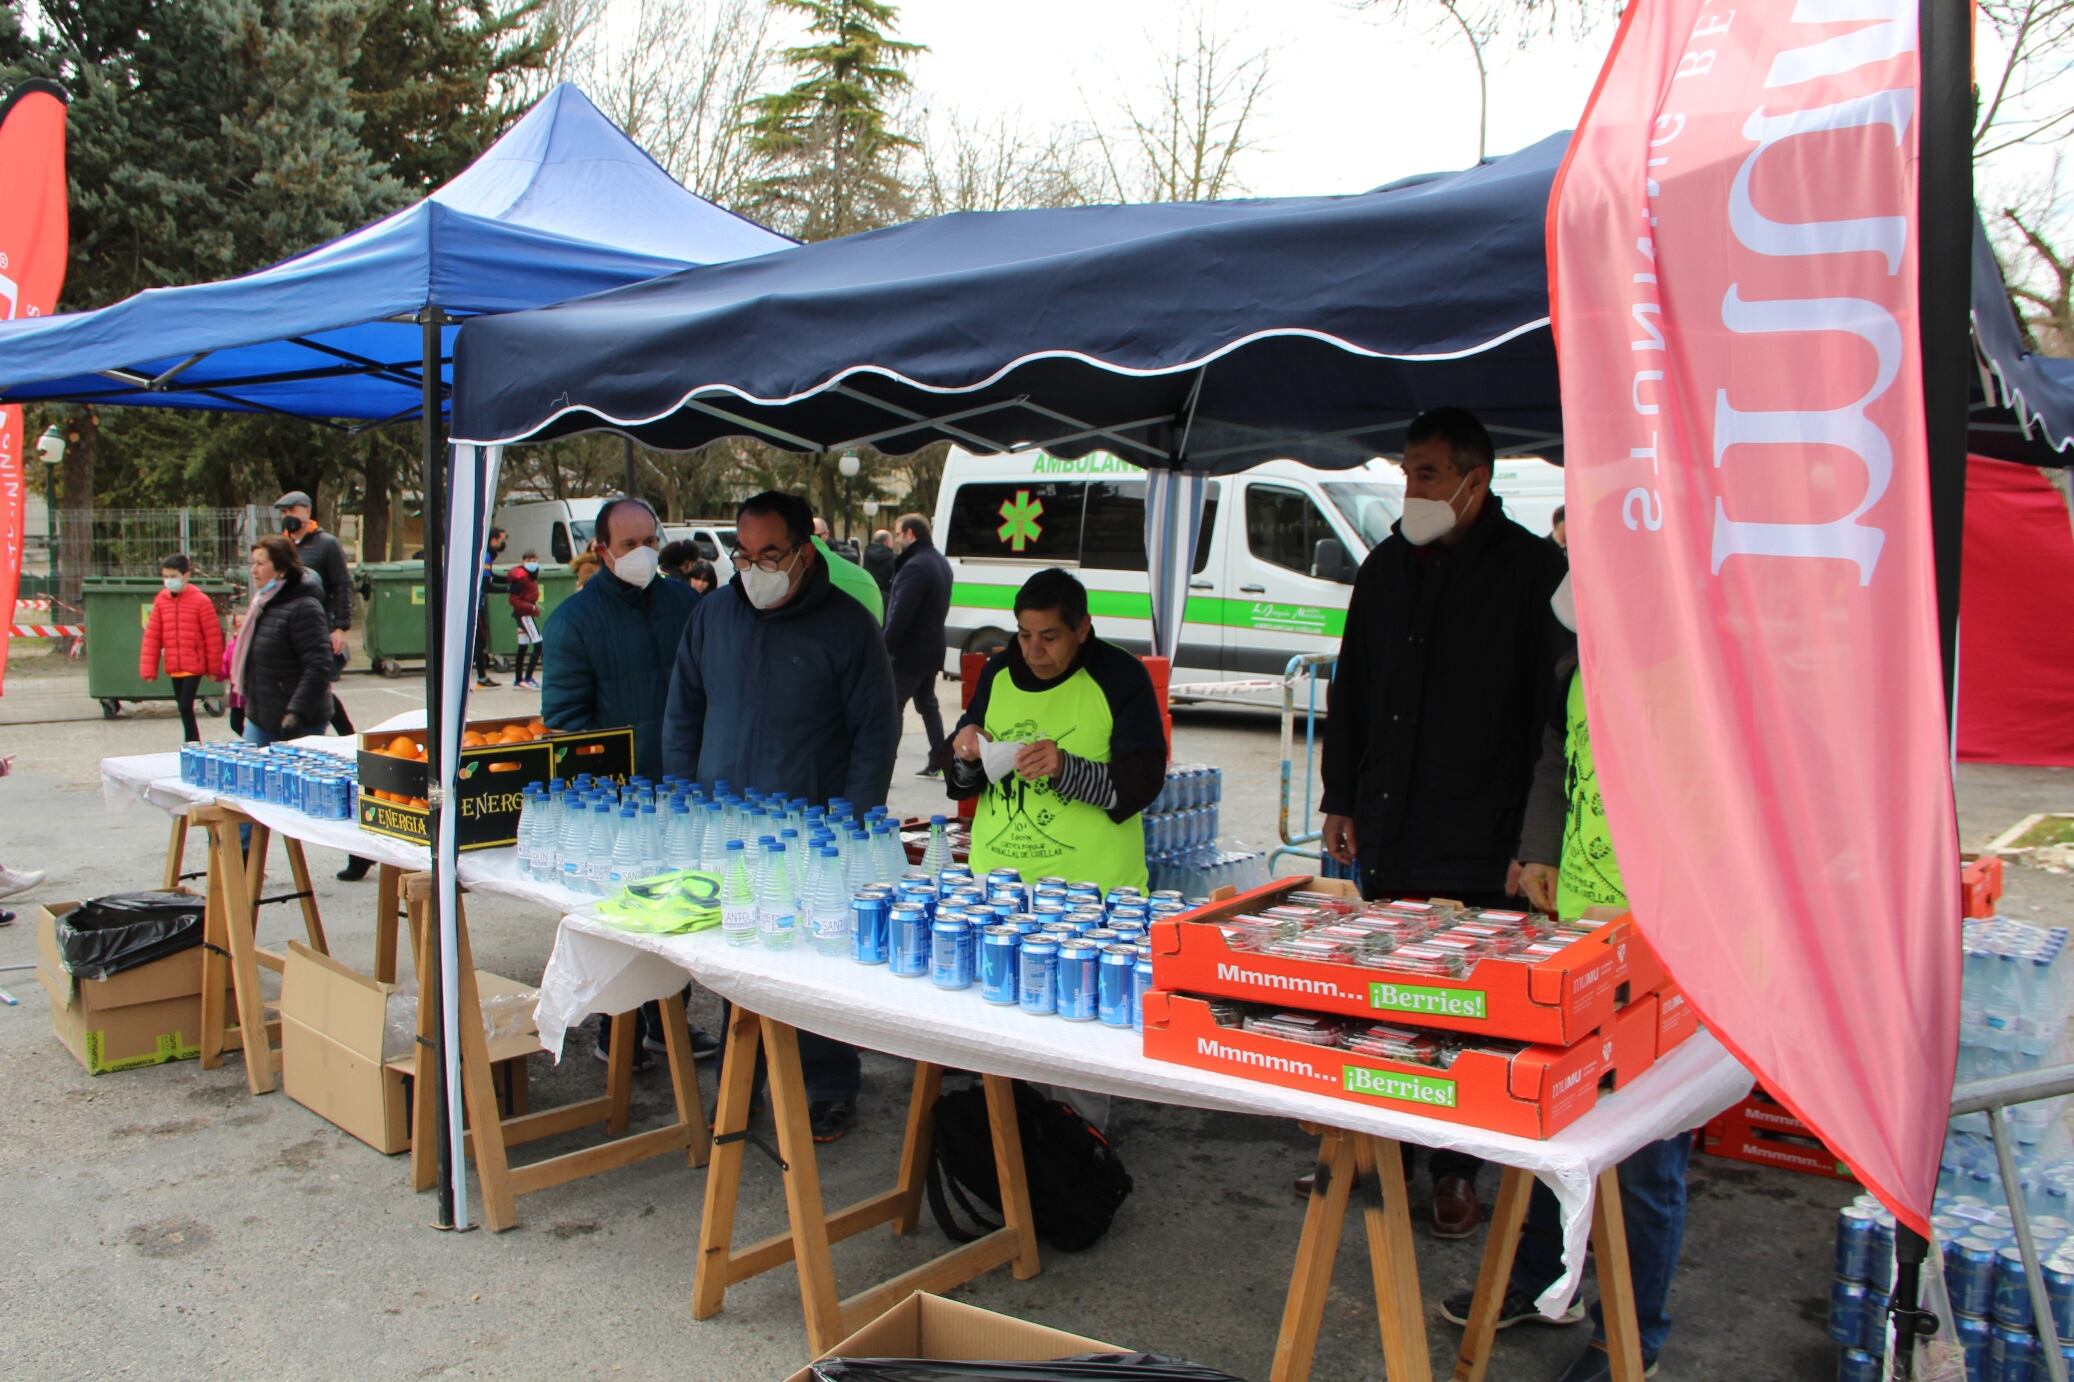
column 14, row 881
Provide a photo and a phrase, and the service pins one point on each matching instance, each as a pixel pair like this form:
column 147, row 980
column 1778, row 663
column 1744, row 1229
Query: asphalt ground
column 164, row 1223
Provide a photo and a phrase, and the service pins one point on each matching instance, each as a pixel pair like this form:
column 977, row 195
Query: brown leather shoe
column 1305, row 1183
column 1454, row 1213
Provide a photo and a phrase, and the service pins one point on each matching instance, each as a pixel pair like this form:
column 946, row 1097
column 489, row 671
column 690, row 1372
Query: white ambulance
column 1274, row 565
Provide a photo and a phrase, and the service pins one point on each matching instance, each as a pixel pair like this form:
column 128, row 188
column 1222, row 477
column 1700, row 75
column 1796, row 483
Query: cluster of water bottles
column 1181, row 853
column 773, row 854
column 2013, row 1012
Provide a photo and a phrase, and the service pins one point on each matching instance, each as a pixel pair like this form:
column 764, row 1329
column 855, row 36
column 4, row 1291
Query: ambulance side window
column 1281, row 526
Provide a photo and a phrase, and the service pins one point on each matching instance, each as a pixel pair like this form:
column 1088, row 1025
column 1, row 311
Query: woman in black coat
column 282, row 666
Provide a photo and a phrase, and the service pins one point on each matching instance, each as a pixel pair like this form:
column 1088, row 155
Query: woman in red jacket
column 185, row 630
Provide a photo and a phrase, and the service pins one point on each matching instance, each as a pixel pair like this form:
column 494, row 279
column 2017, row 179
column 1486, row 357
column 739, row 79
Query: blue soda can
column 1056, row 891
column 1084, row 897
column 1024, row 923
column 1880, row 1267
column 1972, row 1333
column 2012, row 1353
column 1048, row 907
column 2059, row 1291
column 1853, row 1241
column 1164, row 895
column 1115, row 985
column 1078, row 1000
column 2012, row 1294
column 1004, row 909
column 1970, row 1276
column 999, row 977
column 1052, row 880
column 1060, row 930
column 1141, row 984
column 910, row 951
column 1012, row 877
column 1847, row 1312
column 252, row 778
column 1130, row 911
column 1100, row 936
column 871, row 910
column 1857, row 1365
column 1874, row 1339
column 1038, row 963
column 950, row 958
column 1129, row 933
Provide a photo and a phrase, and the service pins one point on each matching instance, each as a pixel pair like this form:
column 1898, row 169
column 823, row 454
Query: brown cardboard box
column 332, row 1021
column 926, row 1326
column 144, row 1016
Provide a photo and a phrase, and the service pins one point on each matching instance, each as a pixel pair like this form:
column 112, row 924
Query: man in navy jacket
column 915, row 638
column 782, row 684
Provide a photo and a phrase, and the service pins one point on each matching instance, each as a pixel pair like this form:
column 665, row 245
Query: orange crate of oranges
column 498, row 759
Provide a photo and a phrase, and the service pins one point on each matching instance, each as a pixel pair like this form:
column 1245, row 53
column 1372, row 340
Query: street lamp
column 51, row 448
column 848, row 466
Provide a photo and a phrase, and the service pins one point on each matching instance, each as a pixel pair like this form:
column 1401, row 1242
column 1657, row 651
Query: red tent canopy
column 2016, row 619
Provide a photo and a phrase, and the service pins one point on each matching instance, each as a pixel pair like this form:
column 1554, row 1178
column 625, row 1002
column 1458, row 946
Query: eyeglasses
column 743, row 561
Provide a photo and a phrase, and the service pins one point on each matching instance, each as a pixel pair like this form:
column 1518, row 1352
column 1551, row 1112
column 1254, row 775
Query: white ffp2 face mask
column 1429, row 520
column 176, row 584
column 766, row 588
column 1563, row 605
column 637, row 568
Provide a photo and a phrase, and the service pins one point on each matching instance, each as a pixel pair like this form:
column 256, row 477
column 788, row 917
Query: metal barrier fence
column 132, row 542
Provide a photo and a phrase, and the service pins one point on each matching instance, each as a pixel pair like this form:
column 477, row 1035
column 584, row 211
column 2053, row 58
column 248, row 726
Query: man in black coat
column 324, row 557
column 1437, row 707
column 915, row 641
column 879, row 559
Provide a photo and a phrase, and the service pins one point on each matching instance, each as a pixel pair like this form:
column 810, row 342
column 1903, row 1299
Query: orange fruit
column 402, row 746
column 421, row 803
column 538, row 726
column 472, row 740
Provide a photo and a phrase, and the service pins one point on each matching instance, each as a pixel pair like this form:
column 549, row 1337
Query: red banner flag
column 1733, row 258
column 34, row 242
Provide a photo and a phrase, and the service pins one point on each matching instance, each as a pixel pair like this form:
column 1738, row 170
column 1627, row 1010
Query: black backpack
column 1077, row 1183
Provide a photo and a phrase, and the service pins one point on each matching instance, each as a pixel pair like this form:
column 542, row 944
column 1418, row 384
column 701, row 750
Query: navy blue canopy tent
column 2023, row 405
column 362, row 328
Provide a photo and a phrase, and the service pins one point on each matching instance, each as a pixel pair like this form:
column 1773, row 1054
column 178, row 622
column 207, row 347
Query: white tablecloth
column 598, row 969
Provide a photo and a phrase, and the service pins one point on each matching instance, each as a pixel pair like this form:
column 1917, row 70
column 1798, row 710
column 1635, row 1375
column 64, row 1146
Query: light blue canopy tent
column 361, row 330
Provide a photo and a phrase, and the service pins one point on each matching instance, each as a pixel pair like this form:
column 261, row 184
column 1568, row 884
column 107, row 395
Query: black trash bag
column 1077, row 1182
column 1085, row 1367
column 108, row 935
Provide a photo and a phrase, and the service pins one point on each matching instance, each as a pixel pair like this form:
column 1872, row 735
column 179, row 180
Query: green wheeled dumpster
column 557, row 583
column 395, row 628
column 118, row 608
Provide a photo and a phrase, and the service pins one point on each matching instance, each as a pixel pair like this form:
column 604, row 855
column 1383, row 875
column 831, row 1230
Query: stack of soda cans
column 1051, row 948
column 1181, row 829
column 2013, row 1017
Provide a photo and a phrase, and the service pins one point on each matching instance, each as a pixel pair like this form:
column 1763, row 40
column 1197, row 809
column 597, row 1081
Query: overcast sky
column 1355, row 101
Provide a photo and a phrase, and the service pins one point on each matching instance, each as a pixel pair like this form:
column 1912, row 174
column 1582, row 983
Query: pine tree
column 829, row 138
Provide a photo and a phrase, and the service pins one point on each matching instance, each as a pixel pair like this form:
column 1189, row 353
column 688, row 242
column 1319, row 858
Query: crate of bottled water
column 318, row 784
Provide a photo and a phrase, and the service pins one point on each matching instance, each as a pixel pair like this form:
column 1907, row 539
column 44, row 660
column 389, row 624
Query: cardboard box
column 1676, row 1019
column 605, row 753
column 1980, row 879
column 1557, row 1002
column 332, row 1023
column 945, row 1331
column 488, row 796
column 1534, row 1093
column 144, row 1016
column 1761, row 1132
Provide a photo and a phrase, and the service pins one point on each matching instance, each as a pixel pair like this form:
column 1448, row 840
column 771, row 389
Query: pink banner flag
column 34, row 241
column 1733, row 266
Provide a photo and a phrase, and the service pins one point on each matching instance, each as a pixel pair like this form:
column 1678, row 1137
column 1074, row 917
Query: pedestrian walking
column 915, row 639
column 525, row 612
column 185, row 633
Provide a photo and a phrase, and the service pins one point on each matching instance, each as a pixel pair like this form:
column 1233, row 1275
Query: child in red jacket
column 186, row 632
column 525, row 609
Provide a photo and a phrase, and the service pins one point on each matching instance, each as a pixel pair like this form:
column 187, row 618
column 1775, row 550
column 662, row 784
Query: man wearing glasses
column 782, row 684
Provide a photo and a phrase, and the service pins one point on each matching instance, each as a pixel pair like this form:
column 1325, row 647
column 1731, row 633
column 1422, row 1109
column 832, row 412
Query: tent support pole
column 1944, row 220
column 629, row 487
column 433, row 506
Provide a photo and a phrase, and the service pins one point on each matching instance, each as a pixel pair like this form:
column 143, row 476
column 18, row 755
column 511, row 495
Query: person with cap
column 324, row 557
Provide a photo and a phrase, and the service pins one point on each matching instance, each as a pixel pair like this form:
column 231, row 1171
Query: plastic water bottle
column 936, row 855
column 830, row 906
column 857, row 864
column 597, row 857
column 528, row 828
column 626, row 850
column 777, row 902
column 738, row 910
column 713, row 843
column 680, row 837
column 890, row 855
column 795, row 859
column 572, row 840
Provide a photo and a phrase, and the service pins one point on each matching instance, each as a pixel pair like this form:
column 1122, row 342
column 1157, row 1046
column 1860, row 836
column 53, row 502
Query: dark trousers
column 482, row 643
column 341, row 722
column 920, row 687
column 1652, row 1202
column 832, row 1071
column 528, row 660
column 1441, row 1162
column 184, row 689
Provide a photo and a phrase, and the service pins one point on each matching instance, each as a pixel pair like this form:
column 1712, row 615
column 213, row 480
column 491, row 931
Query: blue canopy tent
column 362, row 329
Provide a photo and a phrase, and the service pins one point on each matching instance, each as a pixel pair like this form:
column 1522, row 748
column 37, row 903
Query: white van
column 555, row 528
column 714, row 537
column 1274, row 565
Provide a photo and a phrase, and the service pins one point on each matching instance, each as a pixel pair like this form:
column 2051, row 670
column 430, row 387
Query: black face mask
column 291, row 524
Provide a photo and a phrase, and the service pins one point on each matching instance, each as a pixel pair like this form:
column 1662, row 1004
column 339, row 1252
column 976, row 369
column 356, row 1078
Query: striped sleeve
column 1081, row 779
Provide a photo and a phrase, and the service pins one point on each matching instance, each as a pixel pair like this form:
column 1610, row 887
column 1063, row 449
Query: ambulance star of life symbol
column 1019, row 517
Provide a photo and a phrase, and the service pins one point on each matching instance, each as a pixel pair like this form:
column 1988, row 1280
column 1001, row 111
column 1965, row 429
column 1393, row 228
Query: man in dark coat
column 613, row 641
column 914, row 630
column 324, row 557
column 782, row 684
column 1436, row 710
column 879, row 558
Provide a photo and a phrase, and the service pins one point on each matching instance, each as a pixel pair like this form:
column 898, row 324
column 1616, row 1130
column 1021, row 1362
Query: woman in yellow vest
column 1092, row 755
